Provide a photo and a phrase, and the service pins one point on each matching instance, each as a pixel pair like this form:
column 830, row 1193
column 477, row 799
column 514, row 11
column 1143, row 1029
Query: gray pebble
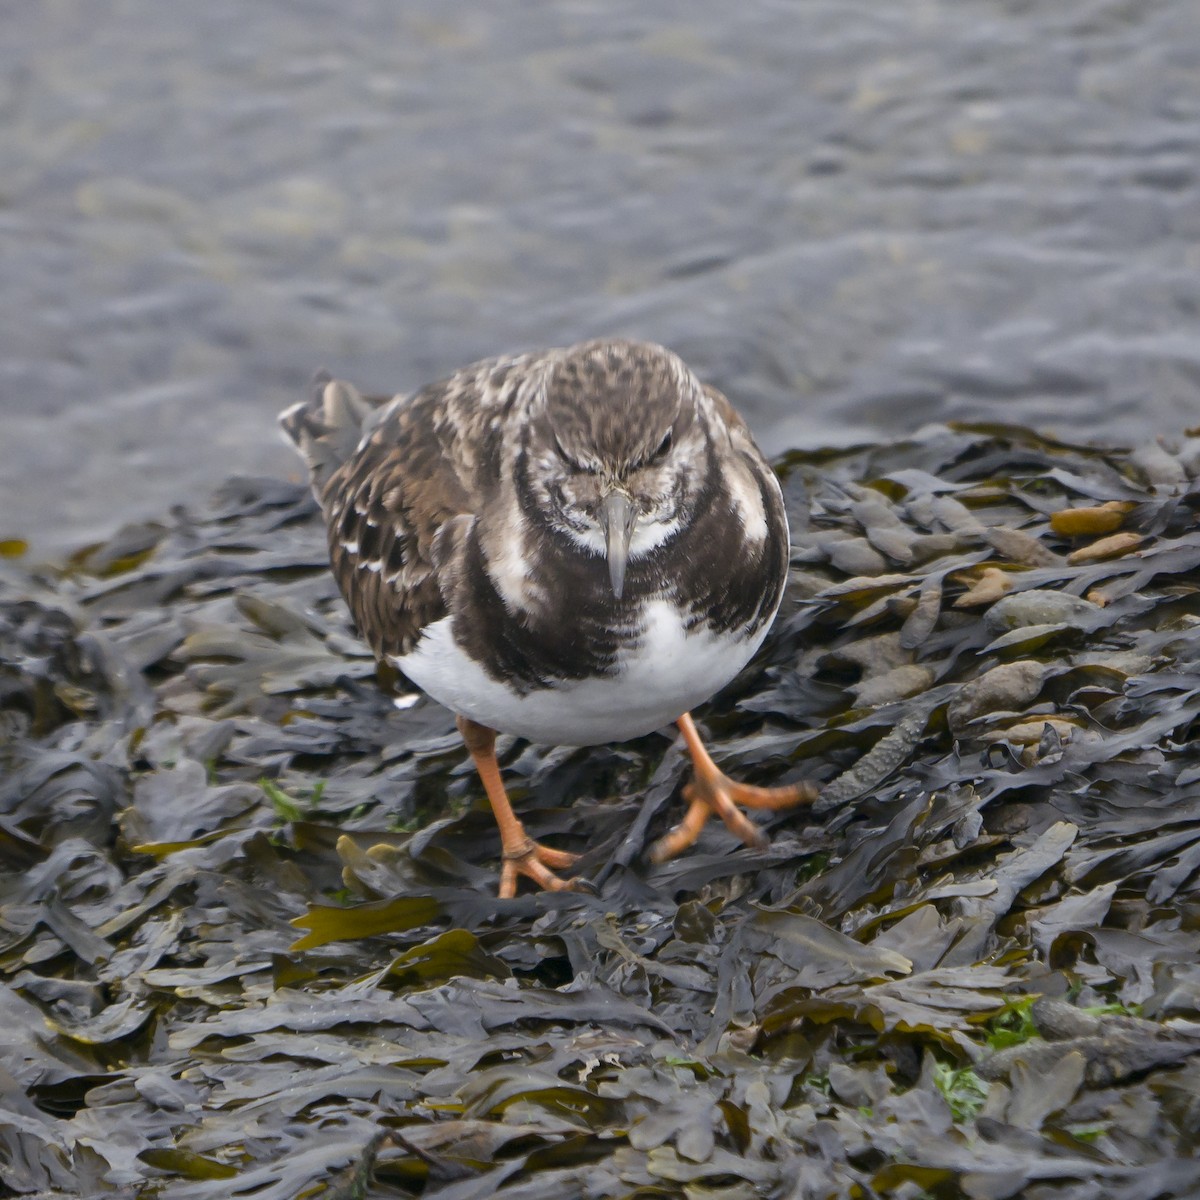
column 856, row 556
column 1009, row 687
column 1038, row 606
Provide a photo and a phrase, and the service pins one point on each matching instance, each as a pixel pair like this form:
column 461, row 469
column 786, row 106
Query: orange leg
column 712, row 791
column 522, row 855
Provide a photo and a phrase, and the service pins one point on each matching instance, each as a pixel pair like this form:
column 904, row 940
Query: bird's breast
column 661, row 669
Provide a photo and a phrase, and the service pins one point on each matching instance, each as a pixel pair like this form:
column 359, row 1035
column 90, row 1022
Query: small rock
column 1032, row 732
column 927, row 546
column 1161, row 469
column 992, row 584
column 875, row 655
column 1189, row 456
column 1122, row 662
column 1006, row 688
column 1019, row 547
column 922, row 620
column 872, row 510
column 856, row 556
column 955, row 515
column 895, row 543
column 897, row 684
column 1109, row 547
column 1038, row 606
column 1102, row 518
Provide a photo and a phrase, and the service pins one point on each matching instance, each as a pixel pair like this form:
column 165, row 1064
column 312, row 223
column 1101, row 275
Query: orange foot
column 522, row 855
column 713, row 792
column 533, row 860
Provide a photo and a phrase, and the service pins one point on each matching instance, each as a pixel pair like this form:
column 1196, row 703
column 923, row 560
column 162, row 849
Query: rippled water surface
column 856, row 218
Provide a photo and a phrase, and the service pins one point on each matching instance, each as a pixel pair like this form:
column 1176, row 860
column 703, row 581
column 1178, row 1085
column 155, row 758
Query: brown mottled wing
column 764, row 560
column 394, row 506
column 743, row 441
column 728, row 413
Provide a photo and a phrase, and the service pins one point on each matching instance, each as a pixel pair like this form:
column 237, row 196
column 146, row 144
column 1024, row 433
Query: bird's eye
column 664, row 448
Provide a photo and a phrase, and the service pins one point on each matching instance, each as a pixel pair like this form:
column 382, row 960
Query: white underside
column 668, row 673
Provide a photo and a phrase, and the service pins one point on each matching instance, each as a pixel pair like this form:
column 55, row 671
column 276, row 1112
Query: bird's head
column 618, row 448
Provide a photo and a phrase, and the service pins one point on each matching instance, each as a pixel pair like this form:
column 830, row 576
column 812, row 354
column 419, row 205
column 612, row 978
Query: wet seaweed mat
column 249, row 944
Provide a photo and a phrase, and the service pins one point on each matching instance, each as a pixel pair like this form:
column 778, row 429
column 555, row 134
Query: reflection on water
column 856, row 218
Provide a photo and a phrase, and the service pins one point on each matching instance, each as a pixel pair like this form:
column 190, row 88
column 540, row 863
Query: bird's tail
column 327, row 427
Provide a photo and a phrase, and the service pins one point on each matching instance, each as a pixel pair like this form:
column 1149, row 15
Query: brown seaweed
column 249, row 943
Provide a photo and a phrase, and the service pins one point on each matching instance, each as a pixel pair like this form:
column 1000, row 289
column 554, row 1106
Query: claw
column 533, row 860
column 712, row 792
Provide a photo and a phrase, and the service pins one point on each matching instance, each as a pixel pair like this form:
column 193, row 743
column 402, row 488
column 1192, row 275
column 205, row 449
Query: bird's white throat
column 647, row 536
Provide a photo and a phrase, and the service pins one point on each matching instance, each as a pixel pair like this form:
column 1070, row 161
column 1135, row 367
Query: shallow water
column 855, row 218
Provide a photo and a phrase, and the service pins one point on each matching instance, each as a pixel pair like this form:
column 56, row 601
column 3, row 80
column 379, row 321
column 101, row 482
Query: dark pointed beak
column 618, row 516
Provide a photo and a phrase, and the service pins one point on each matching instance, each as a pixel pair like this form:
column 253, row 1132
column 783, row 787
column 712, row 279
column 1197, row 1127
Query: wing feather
column 422, row 466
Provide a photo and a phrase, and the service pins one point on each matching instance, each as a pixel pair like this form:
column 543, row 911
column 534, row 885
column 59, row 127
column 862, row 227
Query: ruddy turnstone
column 575, row 546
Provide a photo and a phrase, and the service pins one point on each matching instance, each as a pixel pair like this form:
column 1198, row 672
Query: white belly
column 668, row 673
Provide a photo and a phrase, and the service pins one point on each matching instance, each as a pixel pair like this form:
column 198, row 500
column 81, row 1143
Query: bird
column 575, row 546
